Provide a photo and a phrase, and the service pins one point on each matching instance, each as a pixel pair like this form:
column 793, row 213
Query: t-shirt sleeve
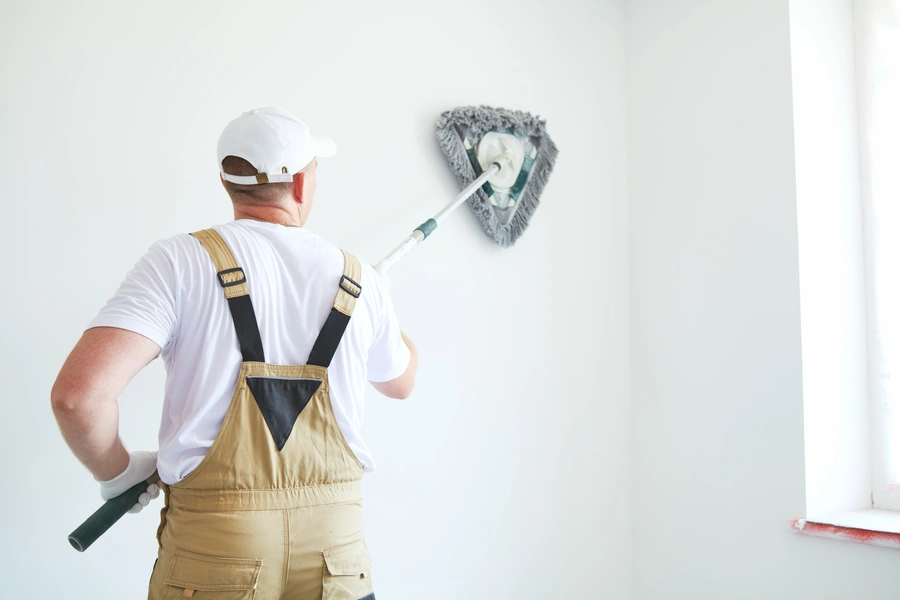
column 145, row 301
column 389, row 355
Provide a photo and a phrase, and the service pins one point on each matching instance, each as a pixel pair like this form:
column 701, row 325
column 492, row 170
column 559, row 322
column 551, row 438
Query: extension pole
column 424, row 230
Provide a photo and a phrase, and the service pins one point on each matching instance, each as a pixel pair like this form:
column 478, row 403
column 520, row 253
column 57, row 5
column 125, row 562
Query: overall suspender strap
column 331, row 333
column 234, row 282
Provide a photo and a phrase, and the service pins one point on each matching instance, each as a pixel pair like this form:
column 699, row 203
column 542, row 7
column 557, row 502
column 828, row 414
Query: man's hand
column 141, row 465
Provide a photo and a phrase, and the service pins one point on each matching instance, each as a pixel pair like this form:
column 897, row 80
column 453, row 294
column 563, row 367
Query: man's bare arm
column 85, row 395
column 402, row 386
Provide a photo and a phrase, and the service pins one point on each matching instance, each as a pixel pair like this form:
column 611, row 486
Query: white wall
column 715, row 314
column 508, row 472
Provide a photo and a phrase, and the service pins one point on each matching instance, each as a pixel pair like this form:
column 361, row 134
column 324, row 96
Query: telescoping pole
column 424, row 230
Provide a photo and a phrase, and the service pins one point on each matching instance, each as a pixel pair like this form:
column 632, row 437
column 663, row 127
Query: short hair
column 261, row 193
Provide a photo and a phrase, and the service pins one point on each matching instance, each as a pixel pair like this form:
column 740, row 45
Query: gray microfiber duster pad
column 478, row 120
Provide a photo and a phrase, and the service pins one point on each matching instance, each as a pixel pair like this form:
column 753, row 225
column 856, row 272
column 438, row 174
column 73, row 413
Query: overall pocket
column 204, row 577
column 347, row 574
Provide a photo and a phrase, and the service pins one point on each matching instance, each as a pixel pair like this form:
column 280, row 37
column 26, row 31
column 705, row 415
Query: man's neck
column 268, row 214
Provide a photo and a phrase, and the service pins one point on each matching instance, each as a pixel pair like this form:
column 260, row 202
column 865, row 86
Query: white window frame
column 842, row 426
column 877, row 33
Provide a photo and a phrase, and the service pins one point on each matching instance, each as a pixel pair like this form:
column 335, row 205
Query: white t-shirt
column 172, row 296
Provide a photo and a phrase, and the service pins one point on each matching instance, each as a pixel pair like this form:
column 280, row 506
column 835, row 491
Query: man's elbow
column 62, row 401
column 398, row 389
column 402, row 387
column 405, row 392
column 68, row 399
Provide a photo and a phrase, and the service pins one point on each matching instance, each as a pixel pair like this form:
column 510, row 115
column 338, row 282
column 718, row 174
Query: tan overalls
column 274, row 510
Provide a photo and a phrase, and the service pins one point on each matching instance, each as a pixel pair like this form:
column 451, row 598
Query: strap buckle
column 225, row 283
column 354, row 293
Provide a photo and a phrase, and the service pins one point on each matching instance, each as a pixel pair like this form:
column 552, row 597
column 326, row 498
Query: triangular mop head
column 504, row 207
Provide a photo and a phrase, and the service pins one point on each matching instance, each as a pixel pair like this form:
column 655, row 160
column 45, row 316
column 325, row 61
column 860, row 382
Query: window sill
column 870, row 526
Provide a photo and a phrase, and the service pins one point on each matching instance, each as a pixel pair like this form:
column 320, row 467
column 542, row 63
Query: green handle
column 105, row 517
column 427, row 227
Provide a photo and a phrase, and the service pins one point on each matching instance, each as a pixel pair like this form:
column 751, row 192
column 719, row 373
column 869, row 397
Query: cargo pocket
column 211, row 578
column 347, row 574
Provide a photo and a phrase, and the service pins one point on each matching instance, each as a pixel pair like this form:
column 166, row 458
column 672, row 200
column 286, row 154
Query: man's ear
column 299, row 180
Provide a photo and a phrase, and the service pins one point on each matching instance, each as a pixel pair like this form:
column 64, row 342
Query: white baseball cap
column 274, row 141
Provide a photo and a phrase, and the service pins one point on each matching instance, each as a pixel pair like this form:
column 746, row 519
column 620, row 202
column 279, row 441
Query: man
column 260, row 454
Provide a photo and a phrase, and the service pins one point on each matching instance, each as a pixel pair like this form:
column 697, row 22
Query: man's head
column 267, row 158
column 302, row 186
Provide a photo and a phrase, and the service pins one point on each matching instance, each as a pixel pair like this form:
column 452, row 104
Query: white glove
column 141, row 465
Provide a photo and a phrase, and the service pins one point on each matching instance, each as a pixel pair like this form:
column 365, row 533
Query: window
column 878, row 79
column 845, row 60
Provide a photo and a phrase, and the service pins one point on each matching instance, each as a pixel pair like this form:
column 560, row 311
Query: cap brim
column 325, row 146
